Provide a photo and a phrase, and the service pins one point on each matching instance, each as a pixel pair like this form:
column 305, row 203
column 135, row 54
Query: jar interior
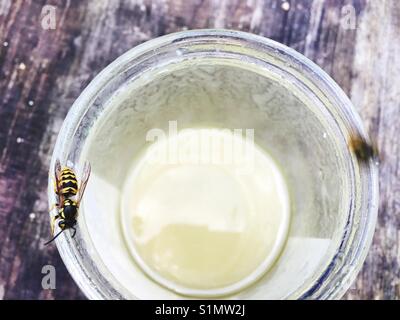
column 222, row 93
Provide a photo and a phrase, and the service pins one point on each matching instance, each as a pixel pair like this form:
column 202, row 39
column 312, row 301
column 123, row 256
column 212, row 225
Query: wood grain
column 43, row 71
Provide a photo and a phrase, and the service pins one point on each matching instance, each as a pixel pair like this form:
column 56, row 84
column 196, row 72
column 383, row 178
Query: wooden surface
column 43, row 71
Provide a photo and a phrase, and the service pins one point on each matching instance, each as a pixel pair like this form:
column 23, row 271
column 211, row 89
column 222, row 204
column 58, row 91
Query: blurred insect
column 363, row 150
column 66, row 187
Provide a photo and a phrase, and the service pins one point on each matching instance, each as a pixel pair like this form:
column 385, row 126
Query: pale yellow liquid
column 205, row 219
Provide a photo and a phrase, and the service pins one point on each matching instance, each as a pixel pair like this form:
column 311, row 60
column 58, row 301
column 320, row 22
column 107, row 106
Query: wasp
column 69, row 196
column 363, row 150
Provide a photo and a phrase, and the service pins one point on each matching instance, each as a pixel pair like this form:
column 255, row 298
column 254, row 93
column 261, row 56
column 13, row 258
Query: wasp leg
column 73, row 235
column 53, row 221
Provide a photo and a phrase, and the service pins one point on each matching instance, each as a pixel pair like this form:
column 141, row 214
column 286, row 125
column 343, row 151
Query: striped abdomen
column 68, row 185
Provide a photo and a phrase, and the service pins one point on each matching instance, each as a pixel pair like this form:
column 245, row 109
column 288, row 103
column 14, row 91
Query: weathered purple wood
column 43, row 71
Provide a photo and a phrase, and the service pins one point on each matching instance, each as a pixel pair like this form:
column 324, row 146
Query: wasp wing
column 57, row 173
column 59, row 197
column 84, row 180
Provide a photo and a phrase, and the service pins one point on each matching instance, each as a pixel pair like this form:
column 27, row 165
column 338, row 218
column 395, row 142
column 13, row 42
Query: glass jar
column 230, row 79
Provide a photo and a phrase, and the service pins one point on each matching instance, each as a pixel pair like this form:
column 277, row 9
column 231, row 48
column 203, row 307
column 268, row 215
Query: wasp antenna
column 54, row 238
